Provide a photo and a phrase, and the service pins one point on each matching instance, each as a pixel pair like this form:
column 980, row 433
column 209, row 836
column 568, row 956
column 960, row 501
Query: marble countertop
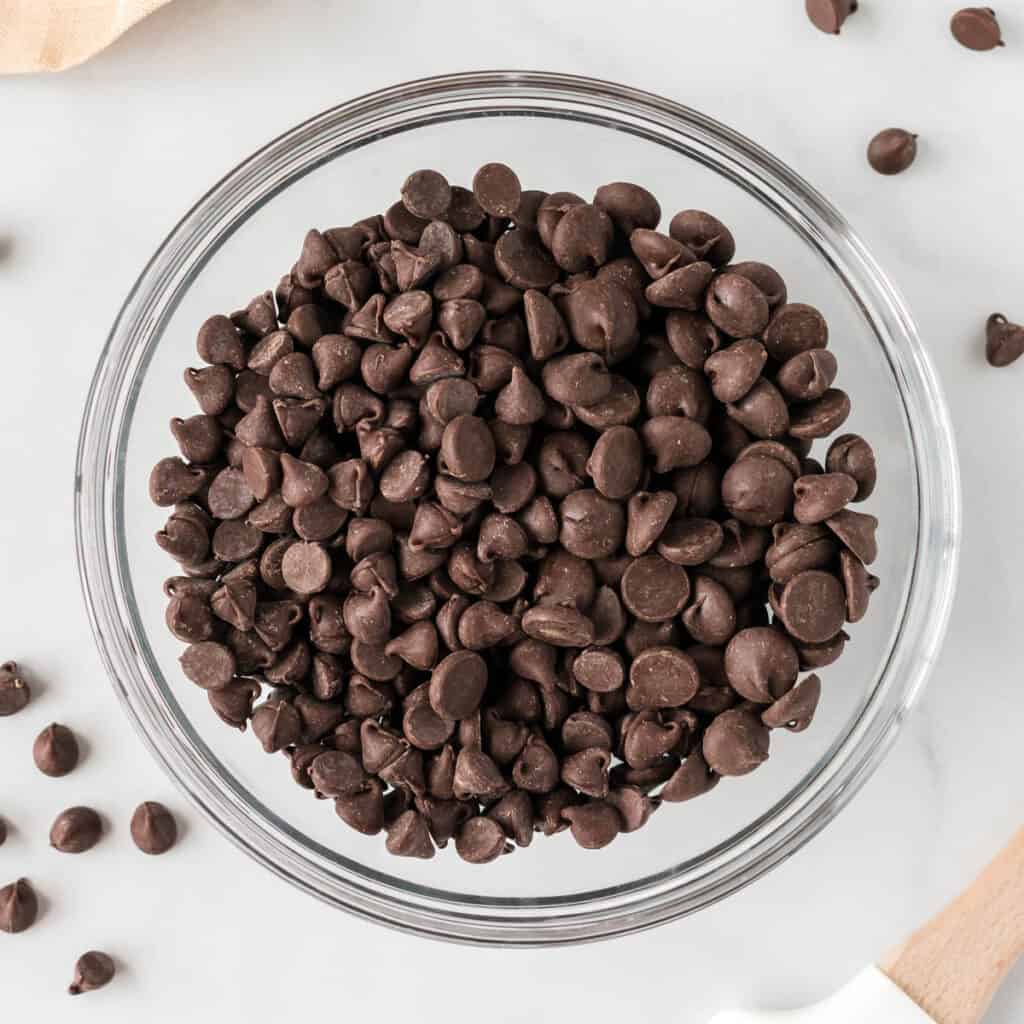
column 99, row 163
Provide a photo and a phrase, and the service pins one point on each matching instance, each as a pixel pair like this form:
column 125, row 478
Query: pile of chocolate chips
column 508, row 497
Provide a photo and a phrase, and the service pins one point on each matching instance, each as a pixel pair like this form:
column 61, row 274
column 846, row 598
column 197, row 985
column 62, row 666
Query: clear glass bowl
column 559, row 132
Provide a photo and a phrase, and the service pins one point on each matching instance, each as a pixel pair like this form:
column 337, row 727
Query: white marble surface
column 97, row 165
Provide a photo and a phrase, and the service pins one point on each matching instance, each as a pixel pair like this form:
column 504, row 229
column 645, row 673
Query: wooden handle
column 953, row 965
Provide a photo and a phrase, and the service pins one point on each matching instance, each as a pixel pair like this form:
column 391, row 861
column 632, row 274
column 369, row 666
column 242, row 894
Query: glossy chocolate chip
column 892, row 150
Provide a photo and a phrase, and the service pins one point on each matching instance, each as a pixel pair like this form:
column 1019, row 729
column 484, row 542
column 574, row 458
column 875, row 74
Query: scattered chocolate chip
column 55, row 750
column 892, row 151
column 14, row 691
column 829, row 15
column 19, row 906
column 976, row 28
column 153, row 828
column 76, row 830
column 93, row 970
column 1004, row 341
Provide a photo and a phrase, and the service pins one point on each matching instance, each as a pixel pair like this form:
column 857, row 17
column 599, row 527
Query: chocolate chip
column 648, row 516
column 484, row 625
column 734, row 370
column 736, row 305
column 692, row 337
column 659, row 254
column 602, row 317
column 821, row 496
column 616, row 462
column 477, row 775
column 551, row 210
column 587, row 771
column 76, row 830
column 758, row 490
column 545, row 328
column 761, row 664
column 426, row 194
column 820, row 417
column 19, row 907
column 306, row 567
column 691, row 541
column 812, row 606
column 277, row 725
column 523, row 261
column 336, row 773
column 654, row 589
column 233, row 702
column 682, row 288
column 536, row 769
column 892, row 151
column 480, row 840
column 172, row 481
column 857, row 531
column 93, row 970
column 55, row 751
column 363, row 810
column 209, row 665
column 213, row 388
column 762, row 411
column 496, row 188
column 153, row 828
column 976, row 28
column 710, row 617
column 1004, row 341
column 599, row 669
column 691, row 779
column 409, row 836
column 514, row 813
column 457, row 684
column 582, row 239
column 593, row 825
column 797, row 548
column 859, row 585
column 795, row 709
column 14, row 690
column 661, row 677
column 467, row 449
column 593, row 526
column 619, row 407
column 829, row 15
column 580, row 379
column 735, row 743
column 629, row 206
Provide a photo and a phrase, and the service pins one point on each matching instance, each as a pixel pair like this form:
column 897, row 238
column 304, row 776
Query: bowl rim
column 99, row 491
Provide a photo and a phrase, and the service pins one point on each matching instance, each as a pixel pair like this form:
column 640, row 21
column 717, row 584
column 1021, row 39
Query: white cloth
column 49, row 35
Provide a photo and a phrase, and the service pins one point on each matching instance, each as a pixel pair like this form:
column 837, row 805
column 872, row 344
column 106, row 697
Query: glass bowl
column 559, row 132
